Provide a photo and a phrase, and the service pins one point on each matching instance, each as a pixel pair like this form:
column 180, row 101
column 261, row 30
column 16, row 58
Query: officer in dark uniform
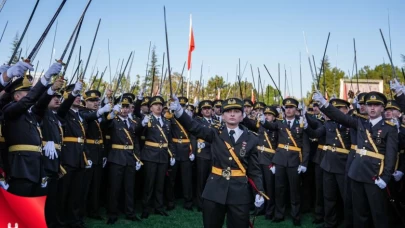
column 291, row 159
column 336, row 150
column 75, row 156
column 216, row 115
column 374, row 161
column 259, row 107
column 203, row 149
column 123, row 159
column 234, row 163
column 156, row 154
column 95, row 146
column 247, row 108
column 184, row 157
column 266, row 147
column 22, row 131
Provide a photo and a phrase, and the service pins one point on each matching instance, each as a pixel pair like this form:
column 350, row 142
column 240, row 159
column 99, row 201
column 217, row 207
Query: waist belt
column 372, row 154
column 227, row 173
column 265, row 149
column 107, row 137
column 321, row 147
column 2, row 139
column 73, row 139
column 181, row 140
column 153, row 144
column 122, row 147
column 31, row 148
column 353, row 147
column 57, row 146
column 288, row 147
column 337, row 149
column 94, row 141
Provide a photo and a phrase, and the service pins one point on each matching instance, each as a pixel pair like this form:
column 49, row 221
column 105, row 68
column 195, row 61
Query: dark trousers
column 287, row 176
column 69, row 199
column 51, row 203
column 333, row 188
column 186, row 182
column 154, row 182
column 91, row 190
column 237, row 216
column 369, row 205
column 348, row 203
column 119, row 176
column 307, row 188
column 319, row 205
column 204, row 167
column 24, row 187
column 268, row 184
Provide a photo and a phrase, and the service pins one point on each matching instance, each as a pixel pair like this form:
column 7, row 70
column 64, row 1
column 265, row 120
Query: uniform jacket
column 182, row 149
column 265, row 158
column 315, row 141
column 205, row 153
column 96, row 150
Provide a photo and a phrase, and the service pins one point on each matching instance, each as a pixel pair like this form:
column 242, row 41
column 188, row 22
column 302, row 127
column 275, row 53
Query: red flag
column 191, row 45
column 253, row 97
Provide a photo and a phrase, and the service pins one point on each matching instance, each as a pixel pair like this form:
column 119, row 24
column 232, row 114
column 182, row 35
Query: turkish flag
column 191, row 45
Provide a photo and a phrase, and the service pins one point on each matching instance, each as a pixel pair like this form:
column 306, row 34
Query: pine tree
column 14, row 47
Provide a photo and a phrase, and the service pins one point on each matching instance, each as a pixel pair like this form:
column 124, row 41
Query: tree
column 14, row 47
column 152, row 66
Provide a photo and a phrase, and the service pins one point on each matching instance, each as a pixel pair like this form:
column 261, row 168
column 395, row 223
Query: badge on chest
column 242, row 151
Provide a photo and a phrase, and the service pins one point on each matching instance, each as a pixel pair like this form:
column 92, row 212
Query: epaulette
column 389, row 123
column 281, row 119
column 133, row 121
column 360, row 115
column 253, row 133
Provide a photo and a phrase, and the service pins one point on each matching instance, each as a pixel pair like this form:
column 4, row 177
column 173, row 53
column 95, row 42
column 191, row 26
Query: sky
column 257, row 32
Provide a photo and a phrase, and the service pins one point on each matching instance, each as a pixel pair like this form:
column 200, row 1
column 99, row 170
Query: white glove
column 355, row 100
column 117, row 108
column 318, row 97
column 90, row 164
column 261, row 118
column 78, row 88
column 4, row 68
column 303, row 121
column 4, row 185
column 396, row 122
column 104, row 162
column 104, row 109
column 137, row 165
column 301, row 169
column 53, row 70
column 380, row 182
column 140, row 94
column 44, row 182
column 259, row 200
column 50, row 150
column 175, row 106
column 273, row 169
column 145, row 121
column 196, row 102
column 19, row 69
column 395, row 86
column 192, row 157
column 397, row 175
column 190, row 113
column 172, row 161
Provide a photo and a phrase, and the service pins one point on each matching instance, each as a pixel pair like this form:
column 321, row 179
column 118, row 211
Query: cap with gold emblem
column 310, row 107
column 375, row 98
column 260, row 105
column 232, row 103
column 247, row 103
column 92, row 95
column 190, row 108
column 125, row 100
column 392, row 104
column 290, row 102
column 145, row 101
column 360, row 98
column 271, row 110
column 20, row 84
column 218, row 103
column 131, row 95
column 205, row 104
column 183, row 100
column 156, row 100
column 339, row 103
column 67, row 90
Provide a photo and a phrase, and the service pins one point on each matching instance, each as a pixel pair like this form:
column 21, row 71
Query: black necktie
column 159, row 121
column 289, row 124
column 126, row 124
column 209, row 121
column 231, row 133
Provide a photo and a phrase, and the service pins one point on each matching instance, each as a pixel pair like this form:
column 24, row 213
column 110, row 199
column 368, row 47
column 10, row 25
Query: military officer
column 234, row 162
column 374, row 161
column 217, row 110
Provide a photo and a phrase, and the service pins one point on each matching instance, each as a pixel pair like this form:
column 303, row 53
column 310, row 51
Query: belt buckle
column 160, row 145
column 39, row 148
column 126, row 147
column 80, row 140
column 180, row 140
column 325, row 147
column 262, row 148
column 96, row 141
column 362, row 152
column 226, row 173
column 333, row 149
column 286, row 147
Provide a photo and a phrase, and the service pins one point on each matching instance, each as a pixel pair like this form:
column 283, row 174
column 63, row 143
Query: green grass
column 181, row 218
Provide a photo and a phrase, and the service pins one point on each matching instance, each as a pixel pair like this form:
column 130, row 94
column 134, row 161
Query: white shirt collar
column 375, row 121
column 122, row 118
column 238, row 133
column 208, row 119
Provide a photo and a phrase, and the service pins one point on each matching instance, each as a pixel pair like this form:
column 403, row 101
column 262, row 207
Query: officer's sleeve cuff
column 50, row 91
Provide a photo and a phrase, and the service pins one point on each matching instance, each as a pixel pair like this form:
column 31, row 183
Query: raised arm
column 195, row 128
column 338, row 116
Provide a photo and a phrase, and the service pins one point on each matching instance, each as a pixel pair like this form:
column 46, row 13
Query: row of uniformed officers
column 244, row 154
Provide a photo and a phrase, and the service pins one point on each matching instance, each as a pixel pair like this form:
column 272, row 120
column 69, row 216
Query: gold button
column 230, row 158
